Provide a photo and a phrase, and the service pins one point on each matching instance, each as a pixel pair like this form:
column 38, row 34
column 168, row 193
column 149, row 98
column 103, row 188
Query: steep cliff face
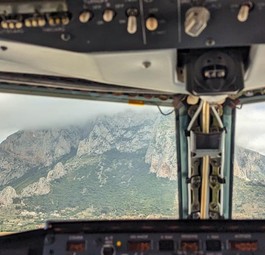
column 130, row 132
column 249, row 165
column 7, row 195
column 27, row 150
column 126, row 133
column 41, row 187
column 161, row 152
column 149, row 134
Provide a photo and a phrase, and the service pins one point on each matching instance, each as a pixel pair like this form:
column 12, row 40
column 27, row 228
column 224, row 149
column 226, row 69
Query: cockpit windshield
column 78, row 159
column 249, row 172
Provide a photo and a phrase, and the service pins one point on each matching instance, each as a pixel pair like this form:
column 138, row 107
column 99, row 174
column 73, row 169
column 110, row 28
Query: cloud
column 250, row 127
column 30, row 112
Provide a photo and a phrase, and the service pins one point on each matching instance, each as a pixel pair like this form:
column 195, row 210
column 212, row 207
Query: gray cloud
column 30, row 112
column 250, row 127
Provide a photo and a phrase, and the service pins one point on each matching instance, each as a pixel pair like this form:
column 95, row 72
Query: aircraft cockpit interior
column 132, row 127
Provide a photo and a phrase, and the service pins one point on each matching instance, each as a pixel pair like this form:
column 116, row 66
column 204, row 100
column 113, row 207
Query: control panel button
column 213, row 245
column 108, row 250
column 108, row 15
column 151, row 24
column 166, row 245
column 85, row 16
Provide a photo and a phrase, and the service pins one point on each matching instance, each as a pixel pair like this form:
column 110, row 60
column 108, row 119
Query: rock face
column 249, row 165
column 161, row 153
column 147, row 134
column 42, row 187
column 57, row 173
column 127, row 133
column 26, row 150
column 7, row 195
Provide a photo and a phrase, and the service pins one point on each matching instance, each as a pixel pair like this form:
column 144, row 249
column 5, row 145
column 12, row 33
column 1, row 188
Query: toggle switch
column 244, row 11
column 132, row 21
column 108, row 15
column 85, row 16
column 196, row 20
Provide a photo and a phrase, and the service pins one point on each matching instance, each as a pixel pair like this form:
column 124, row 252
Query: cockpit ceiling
column 151, row 69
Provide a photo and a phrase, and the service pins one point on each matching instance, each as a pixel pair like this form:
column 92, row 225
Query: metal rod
column 205, row 164
column 222, row 159
column 195, row 116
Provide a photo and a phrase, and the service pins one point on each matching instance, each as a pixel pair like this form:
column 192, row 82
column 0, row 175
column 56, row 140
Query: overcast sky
column 250, row 129
column 19, row 112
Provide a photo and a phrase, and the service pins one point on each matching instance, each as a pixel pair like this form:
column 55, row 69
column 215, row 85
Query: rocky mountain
column 33, row 149
column 249, row 165
column 86, row 170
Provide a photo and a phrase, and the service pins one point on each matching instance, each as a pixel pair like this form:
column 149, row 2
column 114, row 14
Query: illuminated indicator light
column 118, row 243
column 139, row 246
column 28, row 23
column 136, row 102
column 76, row 246
column 244, row 245
column 4, row 25
column 192, row 246
column 19, row 25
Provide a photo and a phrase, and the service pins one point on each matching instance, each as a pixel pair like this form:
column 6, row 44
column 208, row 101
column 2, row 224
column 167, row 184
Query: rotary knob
column 151, row 24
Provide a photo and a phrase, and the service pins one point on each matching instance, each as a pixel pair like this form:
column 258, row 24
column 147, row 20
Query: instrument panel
column 144, row 237
column 122, row 25
column 156, row 237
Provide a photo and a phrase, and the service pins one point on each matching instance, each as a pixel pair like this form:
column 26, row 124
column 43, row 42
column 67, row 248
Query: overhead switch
column 132, row 21
column 196, row 20
column 108, row 15
column 151, row 24
column 85, row 16
column 244, row 11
